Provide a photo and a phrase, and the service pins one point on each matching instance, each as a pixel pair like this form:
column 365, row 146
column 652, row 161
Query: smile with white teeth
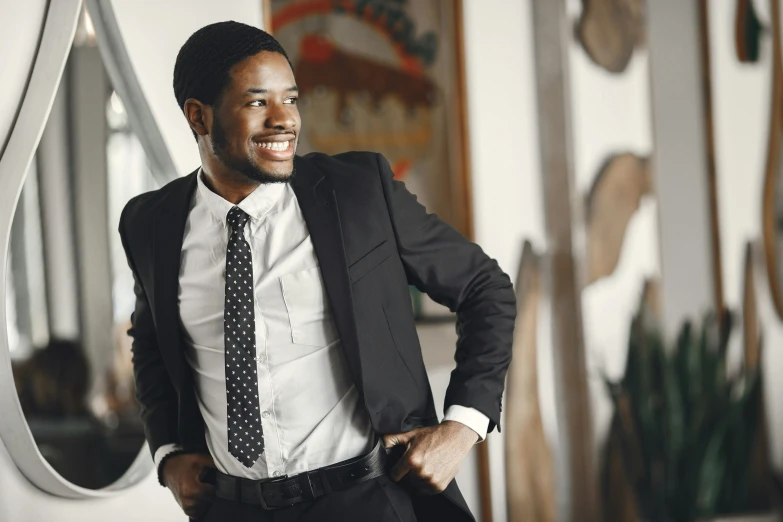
column 274, row 145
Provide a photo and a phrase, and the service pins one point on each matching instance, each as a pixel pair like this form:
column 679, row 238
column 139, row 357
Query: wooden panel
column 578, row 484
column 772, row 171
column 530, row 477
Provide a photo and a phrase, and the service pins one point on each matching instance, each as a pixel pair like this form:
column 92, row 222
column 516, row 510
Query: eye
column 260, row 103
column 292, row 100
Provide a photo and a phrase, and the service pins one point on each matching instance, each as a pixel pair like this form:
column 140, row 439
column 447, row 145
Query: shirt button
column 278, row 472
column 265, row 414
column 260, row 359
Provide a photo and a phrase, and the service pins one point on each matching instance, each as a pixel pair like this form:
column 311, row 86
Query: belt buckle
column 264, row 505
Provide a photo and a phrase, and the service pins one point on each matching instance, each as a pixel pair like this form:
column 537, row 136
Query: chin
column 274, row 173
column 282, row 173
column 279, row 167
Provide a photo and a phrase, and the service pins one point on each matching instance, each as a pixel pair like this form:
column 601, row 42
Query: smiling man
column 276, row 359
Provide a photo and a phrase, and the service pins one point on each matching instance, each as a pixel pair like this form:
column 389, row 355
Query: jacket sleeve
column 456, row 273
column 155, row 392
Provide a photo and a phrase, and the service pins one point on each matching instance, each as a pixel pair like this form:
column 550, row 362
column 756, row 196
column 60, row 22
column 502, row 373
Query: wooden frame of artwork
column 266, row 10
column 388, row 78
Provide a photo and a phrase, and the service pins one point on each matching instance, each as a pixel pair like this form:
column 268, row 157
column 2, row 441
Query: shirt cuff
column 470, row 417
column 162, row 453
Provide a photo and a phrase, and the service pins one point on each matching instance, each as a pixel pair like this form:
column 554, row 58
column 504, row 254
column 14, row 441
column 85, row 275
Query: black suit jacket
column 372, row 239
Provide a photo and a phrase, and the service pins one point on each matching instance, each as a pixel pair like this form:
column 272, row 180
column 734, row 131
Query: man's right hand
column 182, row 475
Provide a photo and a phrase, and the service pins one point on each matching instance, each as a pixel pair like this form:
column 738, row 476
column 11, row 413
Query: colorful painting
column 384, row 76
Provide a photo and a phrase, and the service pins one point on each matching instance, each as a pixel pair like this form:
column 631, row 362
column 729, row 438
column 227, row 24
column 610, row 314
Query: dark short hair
column 205, row 60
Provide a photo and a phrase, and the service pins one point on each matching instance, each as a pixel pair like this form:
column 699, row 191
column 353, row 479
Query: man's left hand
column 433, row 455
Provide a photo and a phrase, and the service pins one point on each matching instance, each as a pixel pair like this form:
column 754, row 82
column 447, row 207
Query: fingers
column 197, row 509
column 421, row 477
column 402, row 468
column 195, row 499
column 389, row 441
column 195, row 496
column 426, row 483
column 420, row 466
column 196, row 491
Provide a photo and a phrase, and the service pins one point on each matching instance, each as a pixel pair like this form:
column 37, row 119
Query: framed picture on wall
column 384, row 76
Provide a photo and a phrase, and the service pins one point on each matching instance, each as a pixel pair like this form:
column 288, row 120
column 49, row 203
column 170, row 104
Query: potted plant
column 685, row 428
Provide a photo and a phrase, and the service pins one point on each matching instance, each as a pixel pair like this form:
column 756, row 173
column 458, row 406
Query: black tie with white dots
column 245, row 437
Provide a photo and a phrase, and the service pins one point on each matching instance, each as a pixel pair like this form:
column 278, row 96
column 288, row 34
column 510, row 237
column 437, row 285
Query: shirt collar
column 256, row 204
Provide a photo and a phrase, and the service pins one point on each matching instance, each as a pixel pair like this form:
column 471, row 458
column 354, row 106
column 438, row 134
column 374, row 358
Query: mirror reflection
column 71, row 292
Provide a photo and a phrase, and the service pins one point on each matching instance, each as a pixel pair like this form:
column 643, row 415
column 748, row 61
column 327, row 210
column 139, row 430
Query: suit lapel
column 167, row 249
column 315, row 195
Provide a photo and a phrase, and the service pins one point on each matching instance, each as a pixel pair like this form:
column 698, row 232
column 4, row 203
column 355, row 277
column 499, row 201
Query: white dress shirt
column 312, row 414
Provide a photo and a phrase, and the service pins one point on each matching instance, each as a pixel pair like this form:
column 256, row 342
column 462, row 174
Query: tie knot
column 237, row 218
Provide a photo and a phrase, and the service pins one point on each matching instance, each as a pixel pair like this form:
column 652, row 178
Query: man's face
column 256, row 120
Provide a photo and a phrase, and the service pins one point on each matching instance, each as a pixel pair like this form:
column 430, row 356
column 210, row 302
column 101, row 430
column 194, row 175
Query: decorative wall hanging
column 530, row 477
column 747, row 32
column 613, row 199
column 609, row 30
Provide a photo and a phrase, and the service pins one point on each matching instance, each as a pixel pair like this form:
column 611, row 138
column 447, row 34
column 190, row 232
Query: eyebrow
column 264, row 91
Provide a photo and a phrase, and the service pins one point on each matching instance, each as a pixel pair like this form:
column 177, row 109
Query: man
column 275, row 353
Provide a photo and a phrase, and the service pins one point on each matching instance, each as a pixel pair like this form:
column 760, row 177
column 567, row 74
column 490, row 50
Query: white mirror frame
column 60, row 24
column 120, row 70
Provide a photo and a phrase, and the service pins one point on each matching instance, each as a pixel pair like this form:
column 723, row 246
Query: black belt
column 287, row 491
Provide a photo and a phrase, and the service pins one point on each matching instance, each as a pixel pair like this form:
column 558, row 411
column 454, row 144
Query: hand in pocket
column 187, row 476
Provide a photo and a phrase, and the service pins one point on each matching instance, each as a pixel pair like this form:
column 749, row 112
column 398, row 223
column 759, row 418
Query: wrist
column 465, row 432
column 162, row 466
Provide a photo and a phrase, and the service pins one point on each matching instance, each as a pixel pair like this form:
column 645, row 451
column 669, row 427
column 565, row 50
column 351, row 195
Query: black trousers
column 377, row 500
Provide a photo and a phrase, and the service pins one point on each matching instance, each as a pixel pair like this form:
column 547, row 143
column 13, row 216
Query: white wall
column 505, row 169
column 16, row 66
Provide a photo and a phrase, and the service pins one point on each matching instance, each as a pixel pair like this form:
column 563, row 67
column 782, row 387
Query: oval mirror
column 68, row 290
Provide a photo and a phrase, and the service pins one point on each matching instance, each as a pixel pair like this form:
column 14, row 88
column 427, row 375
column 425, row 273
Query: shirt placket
column 266, row 393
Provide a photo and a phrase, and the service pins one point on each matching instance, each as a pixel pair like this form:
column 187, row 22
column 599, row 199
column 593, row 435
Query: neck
column 229, row 185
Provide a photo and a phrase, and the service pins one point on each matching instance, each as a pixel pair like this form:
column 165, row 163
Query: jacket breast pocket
column 369, row 261
column 308, row 308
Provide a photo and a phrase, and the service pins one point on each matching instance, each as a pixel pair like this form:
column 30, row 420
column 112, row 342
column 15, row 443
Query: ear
column 199, row 116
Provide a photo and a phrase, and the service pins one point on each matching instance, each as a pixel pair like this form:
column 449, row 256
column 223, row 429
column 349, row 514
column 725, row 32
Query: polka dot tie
column 245, row 437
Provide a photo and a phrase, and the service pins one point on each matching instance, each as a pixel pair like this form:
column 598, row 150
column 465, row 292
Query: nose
column 280, row 117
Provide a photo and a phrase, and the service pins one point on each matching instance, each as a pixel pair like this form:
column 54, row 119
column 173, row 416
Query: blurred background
column 621, row 159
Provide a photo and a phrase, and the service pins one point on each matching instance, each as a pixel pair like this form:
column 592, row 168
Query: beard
column 245, row 166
